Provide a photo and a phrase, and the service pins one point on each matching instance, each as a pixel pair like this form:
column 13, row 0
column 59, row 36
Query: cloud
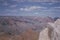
column 19, row 0
column 11, row 11
column 5, row 4
column 36, row 13
column 15, row 0
column 37, row 0
column 47, row 3
column 31, row 8
column 57, row 7
column 13, row 6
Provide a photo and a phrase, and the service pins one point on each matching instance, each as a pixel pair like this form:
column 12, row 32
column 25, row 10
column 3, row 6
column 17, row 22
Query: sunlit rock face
column 44, row 34
column 55, row 35
column 57, row 22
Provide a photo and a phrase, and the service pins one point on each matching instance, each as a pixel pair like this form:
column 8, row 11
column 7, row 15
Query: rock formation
column 44, row 34
column 55, row 35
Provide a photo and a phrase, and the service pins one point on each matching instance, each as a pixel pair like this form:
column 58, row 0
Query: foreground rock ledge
column 44, row 34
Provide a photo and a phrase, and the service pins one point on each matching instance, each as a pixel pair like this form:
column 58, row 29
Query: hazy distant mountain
column 16, row 25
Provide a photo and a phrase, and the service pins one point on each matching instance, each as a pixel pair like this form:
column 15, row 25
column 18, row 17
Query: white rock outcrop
column 56, row 30
column 52, row 32
column 44, row 34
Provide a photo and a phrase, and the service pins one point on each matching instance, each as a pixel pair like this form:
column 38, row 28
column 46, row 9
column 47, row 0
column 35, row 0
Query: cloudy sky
column 30, row 8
